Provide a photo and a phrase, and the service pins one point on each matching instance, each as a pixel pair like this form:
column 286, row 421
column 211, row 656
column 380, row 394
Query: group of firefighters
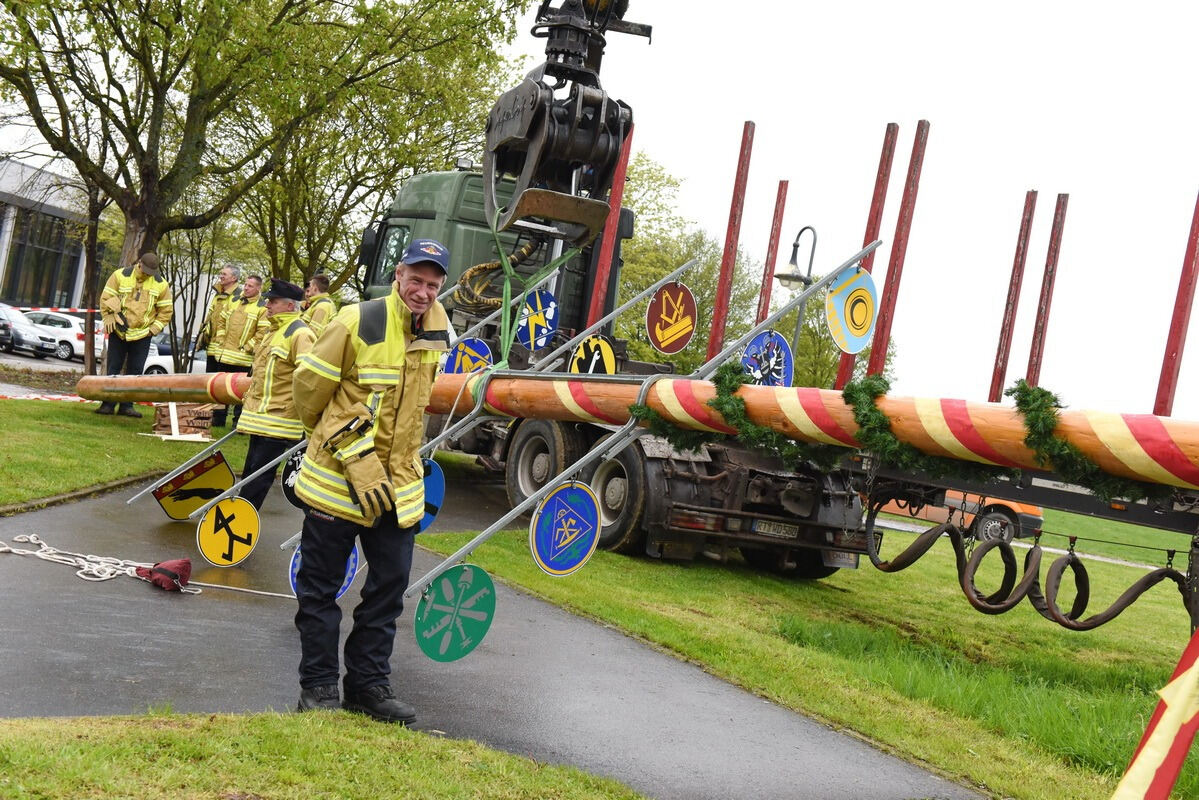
column 355, row 382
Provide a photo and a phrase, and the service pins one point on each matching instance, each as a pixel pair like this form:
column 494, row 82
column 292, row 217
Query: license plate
column 853, row 540
column 768, row 527
column 835, row 558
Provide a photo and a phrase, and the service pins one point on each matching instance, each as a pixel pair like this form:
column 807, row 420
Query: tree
column 173, row 84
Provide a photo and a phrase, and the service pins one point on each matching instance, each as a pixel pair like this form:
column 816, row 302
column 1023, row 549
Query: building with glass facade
column 41, row 238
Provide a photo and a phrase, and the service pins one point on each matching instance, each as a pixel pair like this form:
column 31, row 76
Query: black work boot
column 127, row 410
column 319, row 698
column 379, row 702
column 105, row 408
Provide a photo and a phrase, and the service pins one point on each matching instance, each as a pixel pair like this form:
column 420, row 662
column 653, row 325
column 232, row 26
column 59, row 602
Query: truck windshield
column 395, row 239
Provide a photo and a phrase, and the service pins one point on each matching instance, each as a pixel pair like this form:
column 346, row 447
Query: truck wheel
column 994, row 525
column 540, row 450
column 808, row 563
column 619, row 485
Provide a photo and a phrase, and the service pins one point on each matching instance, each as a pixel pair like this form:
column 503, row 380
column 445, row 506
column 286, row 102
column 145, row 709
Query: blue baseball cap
column 427, row 250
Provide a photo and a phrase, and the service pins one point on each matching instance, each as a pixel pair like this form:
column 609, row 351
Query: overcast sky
column 1088, row 99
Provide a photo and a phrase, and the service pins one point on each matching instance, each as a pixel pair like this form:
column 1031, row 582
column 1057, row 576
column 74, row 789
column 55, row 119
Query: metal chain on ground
column 87, row 567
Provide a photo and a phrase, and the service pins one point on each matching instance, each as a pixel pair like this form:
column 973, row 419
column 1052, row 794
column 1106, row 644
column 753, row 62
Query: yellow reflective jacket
column 268, row 408
column 145, row 300
column 372, row 357
column 213, row 329
column 245, row 326
column 319, row 312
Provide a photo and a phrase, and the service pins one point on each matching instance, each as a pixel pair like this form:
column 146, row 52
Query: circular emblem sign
column 594, row 356
column 538, row 320
column 565, row 529
column 293, row 570
column 454, row 614
column 468, row 355
column 849, row 309
column 434, row 493
column 228, row 532
column 767, row 360
column 670, row 318
column 291, row 471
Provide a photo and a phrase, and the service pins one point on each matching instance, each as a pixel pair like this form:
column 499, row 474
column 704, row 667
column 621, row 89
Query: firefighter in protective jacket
column 361, row 392
column 135, row 305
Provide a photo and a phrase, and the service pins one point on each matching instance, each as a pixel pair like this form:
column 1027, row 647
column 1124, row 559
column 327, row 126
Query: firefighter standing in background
column 362, row 391
column 135, row 305
column 269, row 413
column 319, row 307
column 213, row 330
column 245, row 326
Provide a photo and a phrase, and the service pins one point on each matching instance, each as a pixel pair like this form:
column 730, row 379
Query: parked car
column 18, row 333
column 68, row 331
column 166, row 344
column 985, row 517
column 159, row 364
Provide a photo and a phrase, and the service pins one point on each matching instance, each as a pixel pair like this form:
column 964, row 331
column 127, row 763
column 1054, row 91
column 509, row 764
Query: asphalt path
column 543, row 684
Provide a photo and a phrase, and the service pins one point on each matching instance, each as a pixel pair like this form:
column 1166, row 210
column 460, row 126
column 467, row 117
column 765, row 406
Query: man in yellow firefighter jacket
column 269, row 413
column 245, row 325
column 319, row 307
column 134, row 306
column 362, row 391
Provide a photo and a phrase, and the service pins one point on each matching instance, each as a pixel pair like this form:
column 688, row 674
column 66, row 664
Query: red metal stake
column 772, row 251
column 1013, row 298
column 599, row 291
column 1037, row 351
column 899, row 247
column 873, row 223
column 1167, row 384
column 720, row 310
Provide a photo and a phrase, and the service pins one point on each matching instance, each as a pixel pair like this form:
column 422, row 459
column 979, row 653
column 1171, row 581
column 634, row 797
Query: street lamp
column 795, row 280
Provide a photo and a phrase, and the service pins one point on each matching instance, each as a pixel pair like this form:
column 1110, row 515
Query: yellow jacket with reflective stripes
column 268, row 408
column 373, row 361
column 145, row 300
column 213, row 329
column 245, row 326
column 319, row 312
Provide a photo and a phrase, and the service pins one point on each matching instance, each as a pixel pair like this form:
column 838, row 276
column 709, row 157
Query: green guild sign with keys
column 454, row 614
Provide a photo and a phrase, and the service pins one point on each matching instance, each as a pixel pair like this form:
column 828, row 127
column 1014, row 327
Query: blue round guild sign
column 849, row 309
column 538, row 320
column 434, row 493
column 468, row 355
column 293, row 570
column 565, row 529
column 767, row 360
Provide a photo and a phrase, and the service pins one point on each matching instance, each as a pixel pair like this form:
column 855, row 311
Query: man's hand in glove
column 110, row 324
column 369, row 486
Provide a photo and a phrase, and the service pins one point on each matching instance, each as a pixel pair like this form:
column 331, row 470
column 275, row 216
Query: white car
column 165, row 365
column 68, row 332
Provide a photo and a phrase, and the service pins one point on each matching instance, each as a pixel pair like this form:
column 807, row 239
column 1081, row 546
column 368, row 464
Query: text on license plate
column 770, row 528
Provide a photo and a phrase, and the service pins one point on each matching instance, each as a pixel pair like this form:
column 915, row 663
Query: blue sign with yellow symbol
column 434, row 493
column 849, row 309
column 455, row 613
column 293, row 570
column 565, row 529
column 538, row 320
column 767, row 360
column 468, row 355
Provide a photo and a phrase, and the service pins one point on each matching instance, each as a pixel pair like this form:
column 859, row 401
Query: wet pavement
column 543, row 684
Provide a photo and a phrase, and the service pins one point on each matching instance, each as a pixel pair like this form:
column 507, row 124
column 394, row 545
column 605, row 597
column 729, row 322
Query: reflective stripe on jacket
column 371, row 357
column 319, row 312
column 245, row 326
column 268, row 408
column 145, row 300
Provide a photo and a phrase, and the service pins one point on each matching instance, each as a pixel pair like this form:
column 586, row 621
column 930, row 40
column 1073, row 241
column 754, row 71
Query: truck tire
column 540, row 450
column 620, row 487
column 994, row 524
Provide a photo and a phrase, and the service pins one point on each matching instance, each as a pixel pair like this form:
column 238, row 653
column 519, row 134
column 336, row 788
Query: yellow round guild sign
column 228, row 533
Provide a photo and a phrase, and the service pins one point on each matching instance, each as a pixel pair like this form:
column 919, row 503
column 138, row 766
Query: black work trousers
column 262, row 450
column 220, row 414
column 325, row 545
column 129, row 357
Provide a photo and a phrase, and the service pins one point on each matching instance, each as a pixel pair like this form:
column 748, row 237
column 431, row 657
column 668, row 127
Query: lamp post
column 795, row 280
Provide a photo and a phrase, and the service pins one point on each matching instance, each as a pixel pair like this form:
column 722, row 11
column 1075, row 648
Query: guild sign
column 468, row 355
column 194, row 487
column 849, row 309
column 455, row 613
column 538, row 320
column 594, row 356
column 670, row 318
column 228, row 532
column 565, row 529
column 291, row 471
column 767, row 360
column 434, row 493
column 293, row 570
